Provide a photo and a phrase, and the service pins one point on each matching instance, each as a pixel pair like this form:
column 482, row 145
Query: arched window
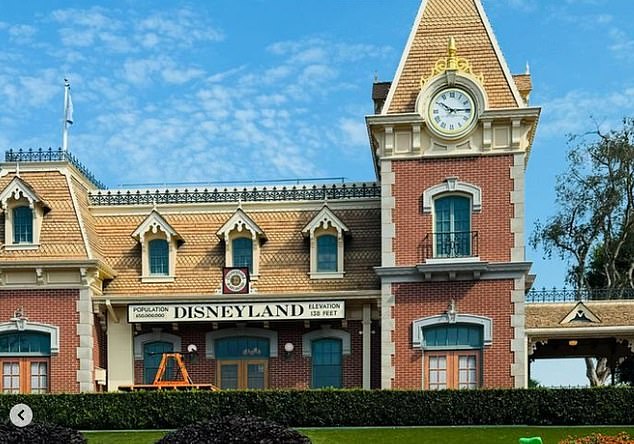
column 22, row 225
column 24, row 362
column 242, row 248
column 327, row 359
column 159, row 257
column 453, row 226
column 327, row 253
column 152, row 355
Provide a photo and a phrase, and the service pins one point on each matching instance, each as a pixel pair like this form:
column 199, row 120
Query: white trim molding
column 325, row 332
column 452, row 185
column 443, row 319
column 156, row 227
column 19, row 193
column 155, row 335
column 241, row 225
column 52, row 330
column 212, row 336
column 325, row 223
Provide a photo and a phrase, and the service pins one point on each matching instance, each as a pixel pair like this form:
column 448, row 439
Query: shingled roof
column 436, row 22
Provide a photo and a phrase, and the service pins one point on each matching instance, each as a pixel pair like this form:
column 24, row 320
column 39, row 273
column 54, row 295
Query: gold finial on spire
column 452, row 59
column 452, row 63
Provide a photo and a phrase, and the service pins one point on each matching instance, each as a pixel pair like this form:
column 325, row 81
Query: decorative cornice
column 240, row 222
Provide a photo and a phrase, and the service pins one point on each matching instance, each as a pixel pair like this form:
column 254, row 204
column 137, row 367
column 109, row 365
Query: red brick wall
column 57, row 308
column 490, row 173
column 483, row 298
column 284, row 372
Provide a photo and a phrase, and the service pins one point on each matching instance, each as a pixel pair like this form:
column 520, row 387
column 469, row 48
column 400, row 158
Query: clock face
column 452, row 112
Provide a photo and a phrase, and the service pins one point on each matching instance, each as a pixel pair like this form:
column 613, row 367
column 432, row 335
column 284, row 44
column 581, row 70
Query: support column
column 367, row 341
column 120, row 352
column 84, row 351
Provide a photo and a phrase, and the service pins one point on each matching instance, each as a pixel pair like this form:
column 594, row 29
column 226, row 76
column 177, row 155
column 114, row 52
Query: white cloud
column 22, row 33
column 574, row 112
column 354, row 132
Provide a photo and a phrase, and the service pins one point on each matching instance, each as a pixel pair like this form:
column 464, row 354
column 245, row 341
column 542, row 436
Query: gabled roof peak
column 240, row 221
column 17, row 189
column 154, row 223
column 325, row 219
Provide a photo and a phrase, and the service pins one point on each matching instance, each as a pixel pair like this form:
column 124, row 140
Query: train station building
column 413, row 280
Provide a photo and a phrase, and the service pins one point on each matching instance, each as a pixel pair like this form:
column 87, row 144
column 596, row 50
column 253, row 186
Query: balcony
column 450, row 245
column 555, row 295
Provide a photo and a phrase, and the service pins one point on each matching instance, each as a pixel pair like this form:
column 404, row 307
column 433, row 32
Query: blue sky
column 229, row 90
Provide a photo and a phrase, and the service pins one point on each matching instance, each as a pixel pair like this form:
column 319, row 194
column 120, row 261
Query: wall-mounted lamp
column 573, row 342
column 20, row 319
column 288, row 349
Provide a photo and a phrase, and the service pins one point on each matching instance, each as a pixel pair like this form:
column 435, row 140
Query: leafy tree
column 593, row 228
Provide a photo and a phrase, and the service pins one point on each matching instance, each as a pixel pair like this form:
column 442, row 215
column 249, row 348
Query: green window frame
column 152, row 356
column 242, row 347
column 242, row 249
column 159, row 257
column 453, row 226
column 25, row 343
column 453, row 336
column 23, row 225
column 327, row 363
column 327, row 253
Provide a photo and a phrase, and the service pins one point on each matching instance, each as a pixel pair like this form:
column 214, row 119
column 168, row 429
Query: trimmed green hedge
column 310, row 408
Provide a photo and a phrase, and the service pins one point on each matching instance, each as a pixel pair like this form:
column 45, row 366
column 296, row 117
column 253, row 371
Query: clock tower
column 451, row 138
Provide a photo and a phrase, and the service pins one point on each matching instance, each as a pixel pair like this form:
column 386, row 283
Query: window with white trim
column 24, row 211
column 243, row 239
column 452, row 204
column 326, row 233
column 159, row 244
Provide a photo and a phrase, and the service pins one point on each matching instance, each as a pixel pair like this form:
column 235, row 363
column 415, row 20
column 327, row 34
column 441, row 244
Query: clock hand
column 451, row 110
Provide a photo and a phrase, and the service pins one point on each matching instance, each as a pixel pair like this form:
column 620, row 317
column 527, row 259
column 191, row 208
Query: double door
column 243, row 373
column 24, row 375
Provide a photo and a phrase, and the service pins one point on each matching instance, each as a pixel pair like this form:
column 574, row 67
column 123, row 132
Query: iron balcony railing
column 450, row 244
column 218, row 195
column 568, row 295
column 51, row 155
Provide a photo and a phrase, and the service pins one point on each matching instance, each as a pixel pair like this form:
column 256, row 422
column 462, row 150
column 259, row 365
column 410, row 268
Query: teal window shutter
column 327, row 360
column 152, row 355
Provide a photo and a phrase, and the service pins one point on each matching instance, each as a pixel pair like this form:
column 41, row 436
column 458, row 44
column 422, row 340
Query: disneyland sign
column 253, row 311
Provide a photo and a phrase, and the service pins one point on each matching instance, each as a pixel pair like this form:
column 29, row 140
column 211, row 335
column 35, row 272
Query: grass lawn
column 417, row 435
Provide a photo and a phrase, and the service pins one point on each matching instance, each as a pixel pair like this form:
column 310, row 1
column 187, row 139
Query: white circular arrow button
column 21, row 415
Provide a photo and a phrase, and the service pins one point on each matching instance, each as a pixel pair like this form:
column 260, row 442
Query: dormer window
column 22, row 225
column 327, row 253
column 326, row 232
column 242, row 237
column 159, row 257
column 23, row 214
column 243, row 253
column 159, row 244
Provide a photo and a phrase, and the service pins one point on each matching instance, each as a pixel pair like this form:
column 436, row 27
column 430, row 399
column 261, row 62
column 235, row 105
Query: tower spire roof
column 462, row 23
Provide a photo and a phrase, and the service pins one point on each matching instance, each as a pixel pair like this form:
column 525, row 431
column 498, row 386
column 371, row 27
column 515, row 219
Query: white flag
column 68, row 115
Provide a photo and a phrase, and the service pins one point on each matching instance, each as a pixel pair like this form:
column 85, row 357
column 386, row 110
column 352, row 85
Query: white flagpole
column 68, row 114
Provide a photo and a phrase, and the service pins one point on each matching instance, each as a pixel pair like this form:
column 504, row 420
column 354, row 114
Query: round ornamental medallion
column 235, row 280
